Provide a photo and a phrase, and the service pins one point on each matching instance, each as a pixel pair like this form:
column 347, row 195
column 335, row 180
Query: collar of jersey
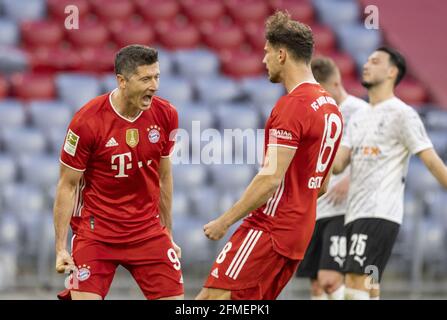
column 114, row 109
column 311, row 82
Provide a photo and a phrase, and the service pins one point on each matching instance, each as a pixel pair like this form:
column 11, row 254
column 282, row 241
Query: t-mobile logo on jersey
column 125, row 163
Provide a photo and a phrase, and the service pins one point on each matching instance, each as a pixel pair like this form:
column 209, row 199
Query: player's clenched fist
column 215, row 229
column 64, row 262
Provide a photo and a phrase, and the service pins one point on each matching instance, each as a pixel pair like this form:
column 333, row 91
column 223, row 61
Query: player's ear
column 282, row 53
column 121, row 80
column 393, row 72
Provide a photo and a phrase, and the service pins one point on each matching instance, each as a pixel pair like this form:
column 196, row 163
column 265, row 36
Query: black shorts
column 370, row 242
column 327, row 248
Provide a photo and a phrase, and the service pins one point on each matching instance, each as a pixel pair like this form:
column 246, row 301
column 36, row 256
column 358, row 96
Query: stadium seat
column 8, row 268
column 175, row 36
column 199, row 11
column 49, row 114
column 177, row 90
column 436, row 120
column 13, row 59
column 419, row 180
column 77, row 89
column 97, row 60
column 41, row 171
column 193, row 112
column 237, row 116
column 12, row 114
column 133, row 31
column 9, row 230
column 41, row 33
column 112, row 10
column 208, row 66
column 217, row 89
column 219, row 36
column 254, row 33
column 324, row 39
column 4, row 88
column 9, row 32
column 56, row 8
column 22, row 199
column 55, row 137
column 357, row 40
column 187, row 176
column 166, row 62
column 91, row 34
column 354, row 87
column 8, row 169
column 411, row 92
column 244, row 11
column 205, row 202
column 24, row 10
column 33, row 86
column 242, row 63
column 231, row 177
column 261, row 91
column 345, row 64
column 299, row 10
column 54, row 59
column 181, row 206
column 337, row 13
column 24, row 141
column 108, row 83
column 439, row 140
column 436, row 203
column 158, row 10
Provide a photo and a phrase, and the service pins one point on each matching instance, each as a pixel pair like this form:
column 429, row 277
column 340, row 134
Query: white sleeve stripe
column 79, row 170
column 282, row 145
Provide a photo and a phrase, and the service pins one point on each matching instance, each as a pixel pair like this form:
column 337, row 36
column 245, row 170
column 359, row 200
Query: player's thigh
column 156, row 268
column 214, row 294
column 77, row 295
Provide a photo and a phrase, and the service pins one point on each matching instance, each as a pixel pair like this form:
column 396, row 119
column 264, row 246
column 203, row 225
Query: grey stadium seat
column 208, row 66
column 41, row 171
column 176, row 90
column 20, row 141
column 22, row 198
column 77, row 89
column 215, row 90
column 188, row 176
column 50, row 114
column 205, row 202
column 25, row 10
column 238, row 116
column 12, row 114
column 261, row 91
column 8, row 169
column 9, row 32
column 232, row 177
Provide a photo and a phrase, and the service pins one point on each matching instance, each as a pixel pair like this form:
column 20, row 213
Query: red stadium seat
column 158, row 10
column 255, row 33
column 113, row 10
column 345, row 63
column 241, row 63
column 324, row 38
column 411, row 92
column 300, row 10
column 97, row 60
column 221, row 36
column 33, row 86
column 41, row 33
column 91, row 33
column 53, row 59
column 199, row 11
column 354, row 87
column 4, row 88
column 244, row 11
column 56, row 8
column 132, row 32
column 177, row 35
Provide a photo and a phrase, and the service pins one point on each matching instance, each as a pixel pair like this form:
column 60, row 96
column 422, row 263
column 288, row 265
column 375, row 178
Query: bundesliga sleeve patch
column 71, row 143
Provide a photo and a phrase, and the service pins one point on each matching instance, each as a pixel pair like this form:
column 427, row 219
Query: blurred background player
column 326, row 254
column 115, row 187
column 378, row 144
column 302, row 137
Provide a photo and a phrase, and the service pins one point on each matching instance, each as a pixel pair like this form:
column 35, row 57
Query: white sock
column 338, row 294
column 322, row 296
column 354, row 294
column 375, row 298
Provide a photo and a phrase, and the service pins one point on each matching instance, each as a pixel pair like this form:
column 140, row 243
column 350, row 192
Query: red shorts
column 250, row 268
column 153, row 264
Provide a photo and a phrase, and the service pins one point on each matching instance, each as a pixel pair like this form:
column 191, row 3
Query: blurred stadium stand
column 211, row 64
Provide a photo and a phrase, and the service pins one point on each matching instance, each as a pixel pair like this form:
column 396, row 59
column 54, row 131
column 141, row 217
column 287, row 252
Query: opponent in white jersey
column 378, row 144
column 325, row 255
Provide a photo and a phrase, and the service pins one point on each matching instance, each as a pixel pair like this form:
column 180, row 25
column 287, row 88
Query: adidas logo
column 215, row 273
column 111, row 143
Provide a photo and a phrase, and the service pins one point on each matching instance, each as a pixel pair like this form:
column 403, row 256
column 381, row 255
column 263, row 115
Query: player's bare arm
column 325, row 184
column 339, row 191
column 434, row 163
column 166, row 191
column 342, row 160
column 63, row 207
column 257, row 193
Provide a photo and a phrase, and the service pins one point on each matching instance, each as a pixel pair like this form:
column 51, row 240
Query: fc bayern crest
column 154, row 134
column 83, row 273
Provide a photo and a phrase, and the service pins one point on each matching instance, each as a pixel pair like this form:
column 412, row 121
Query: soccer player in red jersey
column 302, row 137
column 115, row 187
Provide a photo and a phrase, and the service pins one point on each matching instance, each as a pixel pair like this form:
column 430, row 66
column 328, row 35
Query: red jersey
column 308, row 120
column 118, row 197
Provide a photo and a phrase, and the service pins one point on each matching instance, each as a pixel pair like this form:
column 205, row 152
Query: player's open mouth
column 147, row 100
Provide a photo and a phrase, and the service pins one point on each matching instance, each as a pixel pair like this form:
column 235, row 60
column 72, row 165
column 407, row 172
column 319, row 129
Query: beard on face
column 274, row 78
column 367, row 84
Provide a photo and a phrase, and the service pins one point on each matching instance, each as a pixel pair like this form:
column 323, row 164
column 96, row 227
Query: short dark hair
column 129, row 58
column 323, row 68
column 296, row 37
column 396, row 59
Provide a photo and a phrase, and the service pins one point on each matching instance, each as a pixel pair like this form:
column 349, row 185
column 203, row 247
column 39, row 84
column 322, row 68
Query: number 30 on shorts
column 223, row 254
column 172, row 255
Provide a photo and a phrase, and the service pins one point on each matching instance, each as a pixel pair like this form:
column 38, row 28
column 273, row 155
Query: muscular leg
column 180, row 297
column 332, row 283
column 77, row 295
column 316, row 291
column 355, row 287
column 214, row 294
